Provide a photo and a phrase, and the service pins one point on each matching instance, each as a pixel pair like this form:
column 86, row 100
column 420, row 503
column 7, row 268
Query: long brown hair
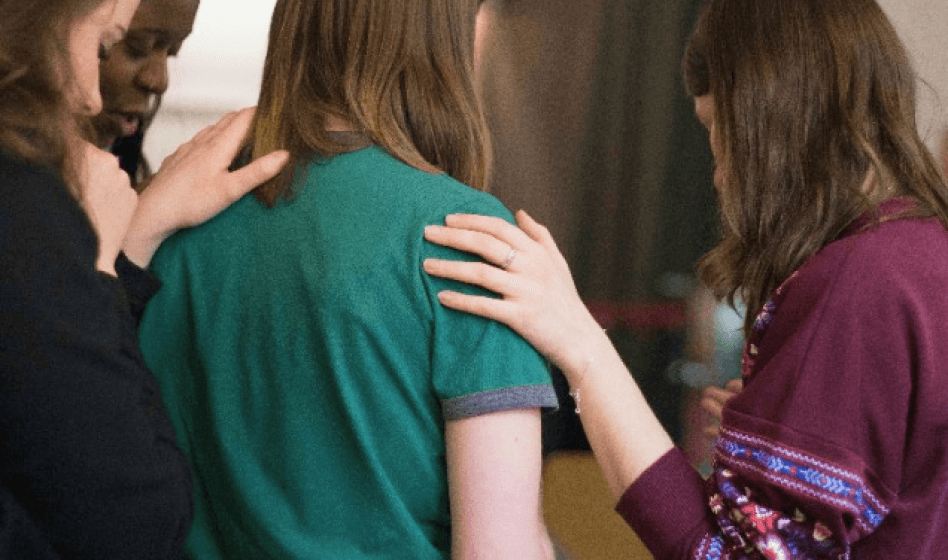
column 811, row 98
column 397, row 70
column 33, row 68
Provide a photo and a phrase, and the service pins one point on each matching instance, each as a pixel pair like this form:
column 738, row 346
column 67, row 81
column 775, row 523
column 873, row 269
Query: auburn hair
column 812, row 99
column 399, row 71
column 34, row 66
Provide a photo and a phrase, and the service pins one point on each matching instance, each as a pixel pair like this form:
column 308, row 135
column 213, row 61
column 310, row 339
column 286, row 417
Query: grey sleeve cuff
column 527, row 396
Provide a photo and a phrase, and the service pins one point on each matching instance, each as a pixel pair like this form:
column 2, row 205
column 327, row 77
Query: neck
column 338, row 124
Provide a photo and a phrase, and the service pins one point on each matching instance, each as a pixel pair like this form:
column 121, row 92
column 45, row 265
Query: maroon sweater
column 838, row 444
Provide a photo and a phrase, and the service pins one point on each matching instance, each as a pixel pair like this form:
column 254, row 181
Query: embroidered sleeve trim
column 710, row 548
column 803, row 474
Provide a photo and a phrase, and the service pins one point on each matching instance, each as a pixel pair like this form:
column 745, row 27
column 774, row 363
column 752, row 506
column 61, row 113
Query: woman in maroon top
column 834, row 219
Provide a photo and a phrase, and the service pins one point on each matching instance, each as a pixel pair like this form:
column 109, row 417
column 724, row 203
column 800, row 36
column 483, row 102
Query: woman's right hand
column 713, row 400
column 539, row 299
column 108, row 200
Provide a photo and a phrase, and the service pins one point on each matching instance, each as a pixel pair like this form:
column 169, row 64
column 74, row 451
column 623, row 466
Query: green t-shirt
column 309, row 369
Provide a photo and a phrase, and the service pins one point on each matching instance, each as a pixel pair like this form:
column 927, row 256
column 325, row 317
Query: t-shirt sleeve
column 480, row 366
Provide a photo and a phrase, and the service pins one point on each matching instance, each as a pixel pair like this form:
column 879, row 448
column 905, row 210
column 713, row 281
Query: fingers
column 711, row 431
column 717, row 394
column 210, row 131
column 532, row 228
column 262, row 169
column 713, row 400
column 108, row 200
column 221, row 140
column 477, row 273
column 484, row 245
column 491, row 308
column 541, row 235
column 230, row 132
column 713, row 406
column 496, row 227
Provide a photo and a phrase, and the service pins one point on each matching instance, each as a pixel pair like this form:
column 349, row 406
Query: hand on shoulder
column 194, row 184
column 524, row 266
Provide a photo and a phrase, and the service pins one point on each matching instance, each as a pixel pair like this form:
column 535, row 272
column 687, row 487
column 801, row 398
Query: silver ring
column 510, row 259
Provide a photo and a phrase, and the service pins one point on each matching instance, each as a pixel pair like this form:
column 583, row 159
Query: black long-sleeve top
column 88, row 463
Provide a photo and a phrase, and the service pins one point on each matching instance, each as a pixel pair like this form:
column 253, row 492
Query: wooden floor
column 578, row 508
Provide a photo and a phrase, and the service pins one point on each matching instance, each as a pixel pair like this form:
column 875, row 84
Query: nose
column 153, row 75
column 89, row 104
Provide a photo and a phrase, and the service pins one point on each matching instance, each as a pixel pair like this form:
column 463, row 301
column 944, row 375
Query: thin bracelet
column 575, row 392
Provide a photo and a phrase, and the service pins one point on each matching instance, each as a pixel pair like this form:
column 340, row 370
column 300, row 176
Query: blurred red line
column 638, row 315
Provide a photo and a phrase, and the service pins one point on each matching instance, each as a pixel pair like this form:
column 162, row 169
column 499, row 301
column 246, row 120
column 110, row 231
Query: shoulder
column 868, row 294
column 874, row 298
column 23, row 181
column 897, row 256
column 385, row 176
column 38, row 207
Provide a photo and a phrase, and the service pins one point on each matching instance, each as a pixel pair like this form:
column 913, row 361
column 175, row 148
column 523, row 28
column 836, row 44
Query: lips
column 120, row 123
column 128, row 123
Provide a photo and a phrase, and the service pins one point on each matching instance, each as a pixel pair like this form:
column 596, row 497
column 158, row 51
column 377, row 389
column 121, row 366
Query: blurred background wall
column 219, row 67
column 217, row 70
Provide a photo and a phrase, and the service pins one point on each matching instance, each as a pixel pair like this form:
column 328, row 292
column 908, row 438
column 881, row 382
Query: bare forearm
column 624, row 433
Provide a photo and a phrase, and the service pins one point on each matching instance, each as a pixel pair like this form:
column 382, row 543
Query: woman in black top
column 88, row 463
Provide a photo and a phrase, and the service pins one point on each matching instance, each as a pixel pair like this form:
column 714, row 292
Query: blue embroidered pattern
column 801, row 473
column 711, row 548
column 763, row 319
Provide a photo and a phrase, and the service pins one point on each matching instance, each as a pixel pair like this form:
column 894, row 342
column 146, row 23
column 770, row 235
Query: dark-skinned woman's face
column 135, row 74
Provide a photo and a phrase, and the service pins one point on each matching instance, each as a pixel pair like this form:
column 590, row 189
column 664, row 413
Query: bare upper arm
column 494, row 474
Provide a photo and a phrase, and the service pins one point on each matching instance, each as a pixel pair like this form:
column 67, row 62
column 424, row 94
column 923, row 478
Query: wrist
column 106, row 266
column 591, row 348
column 589, row 339
column 145, row 234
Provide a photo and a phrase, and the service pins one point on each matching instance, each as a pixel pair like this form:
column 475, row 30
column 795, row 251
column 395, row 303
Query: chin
column 105, row 141
column 105, row 135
